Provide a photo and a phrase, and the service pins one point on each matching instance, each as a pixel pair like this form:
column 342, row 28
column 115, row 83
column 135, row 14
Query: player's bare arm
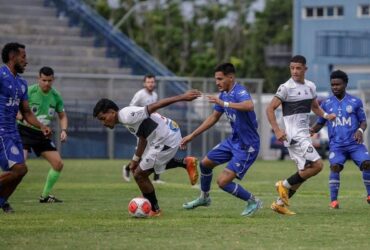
column 316, row 128
column 315, row 107
column 31, row 118
column 270, row 112
column 206, row 124
column 190, row 95
column 359, row 134
column 141, row 145
column 241, row 106
column 63, row 121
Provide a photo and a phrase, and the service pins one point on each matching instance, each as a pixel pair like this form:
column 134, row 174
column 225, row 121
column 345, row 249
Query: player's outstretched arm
column 187, row 96
column 31, row 118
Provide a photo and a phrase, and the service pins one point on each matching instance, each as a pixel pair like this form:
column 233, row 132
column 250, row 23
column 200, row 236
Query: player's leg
column 334, row 184
column 189, row 163
column 55, row 160
column 126, row 172
column 365, row 166
column 360, row 155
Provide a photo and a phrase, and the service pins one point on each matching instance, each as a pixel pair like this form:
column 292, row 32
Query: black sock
column 128, row 167
column 291, row 193
column 174, row 163
column 153, row 200
column 156, row 177
column 295, row 179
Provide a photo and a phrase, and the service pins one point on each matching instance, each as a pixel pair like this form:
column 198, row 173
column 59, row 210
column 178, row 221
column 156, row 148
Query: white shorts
column 155, row 156
column 302, row 152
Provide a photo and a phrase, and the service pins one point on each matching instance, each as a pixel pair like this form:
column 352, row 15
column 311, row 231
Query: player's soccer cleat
column 192, row 169
column 126, row 173
column 156, row 213
column 334, row 204
column 7, row 208
column 283, row 192
column 159, row 181
column 252, row 207
column 368, row 199
column 197, row 202
column 49, row 199
column 281, row 209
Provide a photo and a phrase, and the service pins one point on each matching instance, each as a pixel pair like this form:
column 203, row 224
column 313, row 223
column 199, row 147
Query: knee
column 365, row 166
column 21, row 171
column 336, row 168
column 58, row 166
column 221, row 183
column 317, row 166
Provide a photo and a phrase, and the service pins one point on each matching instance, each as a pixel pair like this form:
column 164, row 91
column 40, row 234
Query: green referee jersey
column 44, row 105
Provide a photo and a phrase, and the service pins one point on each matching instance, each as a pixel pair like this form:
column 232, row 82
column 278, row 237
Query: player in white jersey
column 143, row 97
column 158, row 139
column 297, row 97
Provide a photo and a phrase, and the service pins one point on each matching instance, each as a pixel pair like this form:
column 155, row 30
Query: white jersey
column 143, row 98
column 296, row 101
column 156, row 129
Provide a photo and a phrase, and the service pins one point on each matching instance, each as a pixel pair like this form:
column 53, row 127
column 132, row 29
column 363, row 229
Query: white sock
column 204, row 195
column 279, row 202
column 286, row 184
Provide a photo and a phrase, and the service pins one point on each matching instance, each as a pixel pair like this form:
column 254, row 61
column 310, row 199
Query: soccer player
column 240, row 149
column 297, row 97
column 45, row 101
column 13, row 98
column 158, row 140
column 144, row 97
column 345, row 134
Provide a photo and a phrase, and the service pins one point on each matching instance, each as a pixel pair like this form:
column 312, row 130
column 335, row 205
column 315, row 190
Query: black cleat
column 49, row 199
column 7, row 208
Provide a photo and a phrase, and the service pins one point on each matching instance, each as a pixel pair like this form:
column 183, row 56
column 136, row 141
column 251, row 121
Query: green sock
column 50, row 181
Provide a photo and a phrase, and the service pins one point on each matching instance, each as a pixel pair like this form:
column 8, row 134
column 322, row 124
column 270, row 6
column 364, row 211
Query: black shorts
column 34, row 140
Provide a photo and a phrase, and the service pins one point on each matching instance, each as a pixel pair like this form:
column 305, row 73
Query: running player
column 240, row 149
column 297, row 97
column 13, row 98
column 158, row 140
column 345, row 134
column 45, row 101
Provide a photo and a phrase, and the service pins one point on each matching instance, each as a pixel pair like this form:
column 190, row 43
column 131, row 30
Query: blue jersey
column 350, row 113
column 13, row 90
column 243, row 123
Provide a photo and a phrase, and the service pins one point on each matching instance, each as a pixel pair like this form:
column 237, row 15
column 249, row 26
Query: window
column 323, row 12
column 364, row 10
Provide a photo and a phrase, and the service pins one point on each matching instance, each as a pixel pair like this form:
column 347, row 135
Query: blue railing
column 119, row 45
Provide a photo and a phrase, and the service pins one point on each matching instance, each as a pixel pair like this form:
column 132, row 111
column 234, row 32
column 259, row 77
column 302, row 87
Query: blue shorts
column 11, row 151
column 239, row 157
column 357, row 152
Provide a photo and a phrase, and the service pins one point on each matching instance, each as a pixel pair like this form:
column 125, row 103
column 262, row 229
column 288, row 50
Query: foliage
column 94, row 212
column 193, row 44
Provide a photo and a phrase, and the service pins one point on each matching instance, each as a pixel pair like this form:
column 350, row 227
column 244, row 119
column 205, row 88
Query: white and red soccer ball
column 139, row 207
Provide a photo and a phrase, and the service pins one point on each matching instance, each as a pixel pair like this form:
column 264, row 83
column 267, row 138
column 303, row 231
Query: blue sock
column 366, row 178
column 205, row 178
column 334, row 183
column 237, row 191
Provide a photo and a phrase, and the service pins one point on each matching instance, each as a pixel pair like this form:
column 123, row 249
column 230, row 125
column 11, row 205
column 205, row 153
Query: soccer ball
column 139, row 207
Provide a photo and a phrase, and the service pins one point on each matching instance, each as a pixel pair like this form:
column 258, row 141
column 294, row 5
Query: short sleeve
column 361, row 116
column 132, row 114
column 282, row 92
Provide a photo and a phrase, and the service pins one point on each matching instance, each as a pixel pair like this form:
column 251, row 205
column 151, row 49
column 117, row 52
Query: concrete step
column 72, row 61
column 80, row 70
column 32, row 20
column 24, row 10
column 48, row 30
column 47, row 40
column 61, row 50
column 22, row 2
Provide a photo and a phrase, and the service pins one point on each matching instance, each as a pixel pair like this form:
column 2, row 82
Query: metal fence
column 89, row 139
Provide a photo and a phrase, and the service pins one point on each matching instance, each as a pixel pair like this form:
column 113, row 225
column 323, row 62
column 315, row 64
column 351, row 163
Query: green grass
column 94, row 214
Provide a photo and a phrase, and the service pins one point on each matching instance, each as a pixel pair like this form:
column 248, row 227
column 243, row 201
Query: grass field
column 94, row 213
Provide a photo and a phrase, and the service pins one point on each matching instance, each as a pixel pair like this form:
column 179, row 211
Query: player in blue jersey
column 240, row 149
column 345, row 134
column 13, row 97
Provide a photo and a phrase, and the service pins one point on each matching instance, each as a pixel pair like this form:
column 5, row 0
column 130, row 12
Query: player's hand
column 46, row 131
column 312, row 132
column 63, row 136
column 133, row 165
column 191, row 95
column 359, row 137
column 330, row 117
column 184, row 141
column 215, row 100
column 281, row 135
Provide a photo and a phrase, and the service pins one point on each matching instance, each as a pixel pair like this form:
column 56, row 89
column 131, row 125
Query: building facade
column 333, row 34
